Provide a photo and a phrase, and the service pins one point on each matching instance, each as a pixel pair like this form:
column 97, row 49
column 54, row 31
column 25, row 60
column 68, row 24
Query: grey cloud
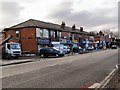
column 10, row 12
column 62, row 11
column 30, row 1
column 95, row 18
column 85, row 18
column 11, row 8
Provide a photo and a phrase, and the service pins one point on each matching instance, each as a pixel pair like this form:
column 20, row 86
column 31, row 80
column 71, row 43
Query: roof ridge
column 32, row 21
column 18, row 24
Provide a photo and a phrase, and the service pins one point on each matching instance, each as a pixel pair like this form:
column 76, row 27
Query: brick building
column 33, row 34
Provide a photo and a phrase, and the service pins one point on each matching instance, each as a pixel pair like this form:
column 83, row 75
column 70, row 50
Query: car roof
column 46, row 48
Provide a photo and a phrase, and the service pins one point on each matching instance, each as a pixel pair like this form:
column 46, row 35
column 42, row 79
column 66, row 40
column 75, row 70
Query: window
column 73, row 36
column 51, row 50
column 39, row 32
column 8, row 46
column 69, row 34
column 45, row 33
column 15, row 46
column 52, row 33
column 60, row 34
column 17, row 34
column 0, row 35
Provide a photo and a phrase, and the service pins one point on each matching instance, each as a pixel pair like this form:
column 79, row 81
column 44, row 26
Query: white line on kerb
column 94, row 85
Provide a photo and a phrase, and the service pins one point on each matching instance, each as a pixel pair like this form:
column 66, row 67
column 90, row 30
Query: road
column 66, row 72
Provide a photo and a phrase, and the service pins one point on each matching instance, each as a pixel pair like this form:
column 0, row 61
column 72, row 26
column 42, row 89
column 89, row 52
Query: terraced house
column 33, row 34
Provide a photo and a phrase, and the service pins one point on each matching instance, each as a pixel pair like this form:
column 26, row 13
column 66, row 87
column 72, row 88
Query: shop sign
column 69, row 42
column 43, row 40
column 64, row 41
column 75, row 41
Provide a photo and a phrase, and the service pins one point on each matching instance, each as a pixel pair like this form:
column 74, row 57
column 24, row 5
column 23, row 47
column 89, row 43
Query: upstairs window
column 39, row 32
column 52, row 33
column 45, row 33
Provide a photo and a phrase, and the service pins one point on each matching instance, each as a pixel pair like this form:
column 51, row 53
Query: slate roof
column 41, row 24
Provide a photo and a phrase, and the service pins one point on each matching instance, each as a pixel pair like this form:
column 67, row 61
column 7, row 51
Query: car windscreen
column 15, row 46
column 56, row 45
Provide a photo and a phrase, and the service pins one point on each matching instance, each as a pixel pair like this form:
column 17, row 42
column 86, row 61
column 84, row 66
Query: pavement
column 21, row 60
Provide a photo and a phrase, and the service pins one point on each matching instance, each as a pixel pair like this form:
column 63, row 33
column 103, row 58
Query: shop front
column 42, row 42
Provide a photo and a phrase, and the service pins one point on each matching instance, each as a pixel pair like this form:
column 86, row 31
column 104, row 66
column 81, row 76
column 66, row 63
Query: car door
column 54, row 52
column 47, row 52
column 51, row 53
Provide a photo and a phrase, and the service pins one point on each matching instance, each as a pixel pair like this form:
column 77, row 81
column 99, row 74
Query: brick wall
column 10, row 32
column 65, row 34
column 27, row 38
column 97, row 38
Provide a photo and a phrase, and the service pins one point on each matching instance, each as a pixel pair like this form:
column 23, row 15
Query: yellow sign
column 75, row 41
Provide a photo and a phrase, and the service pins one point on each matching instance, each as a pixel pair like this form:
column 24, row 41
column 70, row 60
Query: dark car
column 45, row 52
column 114, row 47
column 90, row 48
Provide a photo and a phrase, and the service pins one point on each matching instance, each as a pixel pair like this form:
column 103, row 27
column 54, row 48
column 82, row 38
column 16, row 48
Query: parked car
column 114, row 47
column 58, row 46
column 76, row 48
column 45, row 52
column 80, row 50
column 66, row 49
column 100, row 46
column 90, row 48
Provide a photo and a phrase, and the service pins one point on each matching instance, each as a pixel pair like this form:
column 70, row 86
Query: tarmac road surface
column 66, row 72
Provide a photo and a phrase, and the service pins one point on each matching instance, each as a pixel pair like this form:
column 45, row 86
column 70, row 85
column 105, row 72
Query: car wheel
column 42, row 55
column 57, row 55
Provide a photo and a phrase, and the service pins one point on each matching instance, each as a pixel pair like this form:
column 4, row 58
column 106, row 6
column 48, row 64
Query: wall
column 28, row 39
column 63, row 34
column 97, row 38
column 10, row 32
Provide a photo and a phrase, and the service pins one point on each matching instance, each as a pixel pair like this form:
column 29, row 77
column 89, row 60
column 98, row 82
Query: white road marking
column 94, row 85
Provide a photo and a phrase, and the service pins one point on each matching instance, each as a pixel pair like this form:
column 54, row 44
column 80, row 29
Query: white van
column 58, row 46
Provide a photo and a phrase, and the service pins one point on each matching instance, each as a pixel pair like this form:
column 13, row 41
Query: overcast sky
column 91, row 14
